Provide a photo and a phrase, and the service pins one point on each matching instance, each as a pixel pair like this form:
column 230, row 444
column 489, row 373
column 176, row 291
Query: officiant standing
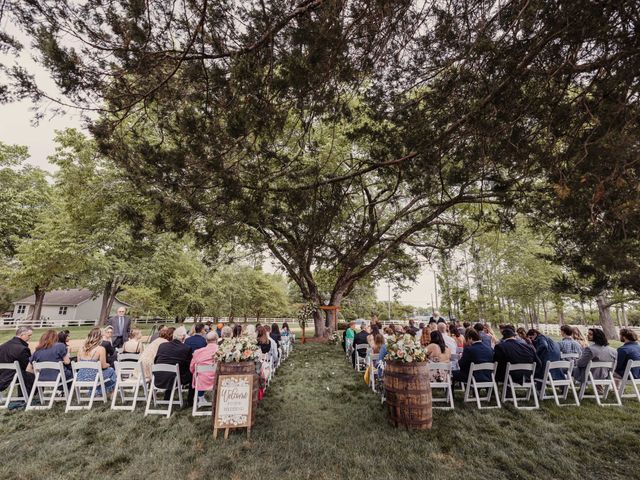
column 121, row 327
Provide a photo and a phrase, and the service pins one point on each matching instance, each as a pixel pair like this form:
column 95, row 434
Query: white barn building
column 72, row 304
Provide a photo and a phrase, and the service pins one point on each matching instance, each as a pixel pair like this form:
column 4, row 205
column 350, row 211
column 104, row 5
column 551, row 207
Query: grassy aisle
column 319, row 421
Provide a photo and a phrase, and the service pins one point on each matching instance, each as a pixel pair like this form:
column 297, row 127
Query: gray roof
column 73, row 296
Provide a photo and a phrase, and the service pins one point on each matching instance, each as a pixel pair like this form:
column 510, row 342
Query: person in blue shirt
column 474, row 352
column 548, row 351
column 196, row 341
column 629, row 351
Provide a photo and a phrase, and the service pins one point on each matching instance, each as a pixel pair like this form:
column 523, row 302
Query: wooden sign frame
column 219, row 423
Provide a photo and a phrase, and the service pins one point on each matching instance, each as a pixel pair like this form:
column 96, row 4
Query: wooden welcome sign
column 233, row 404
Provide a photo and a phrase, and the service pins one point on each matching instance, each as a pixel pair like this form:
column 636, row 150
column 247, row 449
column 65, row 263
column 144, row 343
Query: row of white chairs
column 535, row 389
column 131, row 385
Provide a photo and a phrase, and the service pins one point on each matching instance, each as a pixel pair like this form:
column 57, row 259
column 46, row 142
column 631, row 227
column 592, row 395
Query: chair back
column 165, row 367
column 128, row 357
column 569, row 356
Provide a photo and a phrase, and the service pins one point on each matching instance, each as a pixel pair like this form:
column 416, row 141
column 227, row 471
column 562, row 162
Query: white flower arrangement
column 405, row 349
column 238, row 349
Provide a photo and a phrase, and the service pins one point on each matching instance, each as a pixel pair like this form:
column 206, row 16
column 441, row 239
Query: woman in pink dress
column 204, row 356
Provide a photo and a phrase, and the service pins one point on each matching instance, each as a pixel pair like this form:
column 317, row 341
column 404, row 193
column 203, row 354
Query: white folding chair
column 128, row 357
column 570, row 356
column 129, row 378
column 445, row 384
column 152, row 395
column 565, row 384
column 372, row 360
column 16, row 383
column 528, row 384
column 491, row 386
column 266, row 367
column 361, row 361
column 48, row 389
column 629, row 379
column 200, row 369
column 90, row 387
column 606, row 383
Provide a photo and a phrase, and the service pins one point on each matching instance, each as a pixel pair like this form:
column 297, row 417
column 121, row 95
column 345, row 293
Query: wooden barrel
column 239, row 368
column 408, row 394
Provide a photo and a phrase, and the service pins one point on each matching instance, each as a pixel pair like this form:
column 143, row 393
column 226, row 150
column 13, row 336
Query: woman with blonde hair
column 134, row 344
column 578, row 337
column 149, row 354
column 93, row 351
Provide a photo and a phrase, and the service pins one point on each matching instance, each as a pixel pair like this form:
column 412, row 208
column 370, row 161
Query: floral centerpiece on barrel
column 237, row 349
column 405, row 349
column 406, row 383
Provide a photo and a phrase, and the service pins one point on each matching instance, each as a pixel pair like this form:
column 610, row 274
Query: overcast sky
column 16, row 127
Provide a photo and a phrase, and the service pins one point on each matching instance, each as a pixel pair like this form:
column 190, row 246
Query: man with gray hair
column 17, row 349
column 175, row 352
column 121, row 325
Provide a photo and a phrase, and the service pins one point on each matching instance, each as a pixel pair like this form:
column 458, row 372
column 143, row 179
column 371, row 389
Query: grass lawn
column 319, row 421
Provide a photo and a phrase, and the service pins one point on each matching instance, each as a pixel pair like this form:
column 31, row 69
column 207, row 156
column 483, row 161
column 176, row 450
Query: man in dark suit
column 172, row 353
column 17, row 349
column 198, row 340
column 474, row 352
column 513, row 350
column 121, row 327
column 359, row 339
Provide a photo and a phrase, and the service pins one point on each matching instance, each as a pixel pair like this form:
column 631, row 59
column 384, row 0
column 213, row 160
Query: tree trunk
column 111, row 289
column 318, row 323
column 606, row 321
column 37, row 307
column 624, row 315
column 561, row 313
column 546, row 313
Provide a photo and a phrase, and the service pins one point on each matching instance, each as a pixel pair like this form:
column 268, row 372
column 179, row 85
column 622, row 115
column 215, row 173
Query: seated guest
column 578, row 337
column 275, row 333
column 484, row 337
column 598, row 351
column 275, row 353
column 227, row 332
column 219, row 329
column 64, row 337
column 349, row 335
column 450, row 342
column 285, row 331
column 197, row 340
column 107, row 343
column 547, row 351
column 237, row 330
column 454, row 332
column 172, row 353
column 475, row 351
column 149, row 354
column 437, row 352
column 204, row 356
column 156, row 334
column 17, row 349
column 93, row 350
column 263, row 340
column 629, row 351
column 360, row 339
column 249, row 331
column 134, row 344
column 513, row 350
column 50, row 350
column 568, row 344
column 522, row 335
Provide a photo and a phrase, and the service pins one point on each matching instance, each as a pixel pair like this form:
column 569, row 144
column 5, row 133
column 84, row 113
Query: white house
column 72, row 304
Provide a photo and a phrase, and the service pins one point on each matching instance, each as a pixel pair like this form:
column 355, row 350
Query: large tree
column 340, row 135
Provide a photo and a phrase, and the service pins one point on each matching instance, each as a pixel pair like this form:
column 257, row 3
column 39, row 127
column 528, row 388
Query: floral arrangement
column 239, row 349
column 334, row 339
column 405, row 349
column 305, row 313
